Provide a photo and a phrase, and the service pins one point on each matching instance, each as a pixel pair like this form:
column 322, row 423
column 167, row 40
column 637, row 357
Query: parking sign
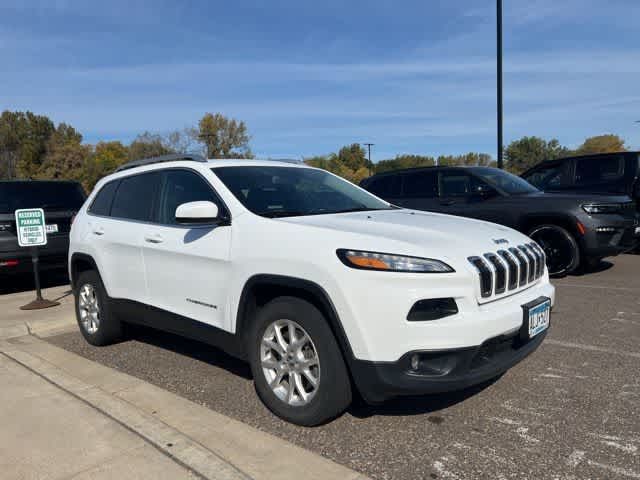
column 31, row 227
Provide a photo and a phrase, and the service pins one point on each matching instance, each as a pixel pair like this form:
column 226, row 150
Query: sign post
column 32, row 233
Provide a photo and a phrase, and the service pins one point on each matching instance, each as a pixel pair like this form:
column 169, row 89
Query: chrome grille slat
column 500, row 272
column 530, row 263
column 513, row 268
column 524, row 266
column 486, row 276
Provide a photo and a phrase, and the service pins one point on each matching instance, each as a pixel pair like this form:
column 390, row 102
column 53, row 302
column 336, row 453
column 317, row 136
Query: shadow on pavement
column 402, row 406
column 25, row 282
column 191, row 348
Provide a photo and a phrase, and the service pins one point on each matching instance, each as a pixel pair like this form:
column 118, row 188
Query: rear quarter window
column 593, row 170
column 101, row 205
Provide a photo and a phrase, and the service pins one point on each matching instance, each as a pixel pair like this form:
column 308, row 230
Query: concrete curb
column 210, row 444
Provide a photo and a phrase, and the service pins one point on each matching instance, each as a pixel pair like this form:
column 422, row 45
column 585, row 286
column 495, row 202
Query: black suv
column 617, row 173
column 572, row 228
column 60, row 200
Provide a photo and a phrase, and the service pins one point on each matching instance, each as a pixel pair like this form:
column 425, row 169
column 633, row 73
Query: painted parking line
column 590, row 348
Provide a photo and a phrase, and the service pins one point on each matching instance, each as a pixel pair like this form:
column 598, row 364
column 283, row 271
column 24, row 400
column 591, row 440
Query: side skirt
column 128, row 311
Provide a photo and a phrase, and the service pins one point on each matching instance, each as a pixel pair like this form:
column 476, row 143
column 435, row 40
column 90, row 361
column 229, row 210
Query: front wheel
column 97, row 323
column 297, row 366
column 560, row 247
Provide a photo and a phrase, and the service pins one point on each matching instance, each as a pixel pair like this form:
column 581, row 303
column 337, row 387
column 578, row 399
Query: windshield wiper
column 283, row 213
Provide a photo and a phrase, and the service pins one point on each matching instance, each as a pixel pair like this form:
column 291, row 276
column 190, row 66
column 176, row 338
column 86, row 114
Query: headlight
column 593, row 208
column 391, row 263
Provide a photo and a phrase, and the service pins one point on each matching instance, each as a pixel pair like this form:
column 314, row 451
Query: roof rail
column 285, row 160
column 173, row 157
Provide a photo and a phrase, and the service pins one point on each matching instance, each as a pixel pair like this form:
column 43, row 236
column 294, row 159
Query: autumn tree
column 23, row 138
column 608, row 143
column 148, row 145
column 65, row 156
column 529, row 151
column 404, row 161
column 106, row 157
column 223, row 137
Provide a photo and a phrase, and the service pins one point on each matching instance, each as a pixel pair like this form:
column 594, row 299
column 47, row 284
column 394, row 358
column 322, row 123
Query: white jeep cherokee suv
column 324, row 288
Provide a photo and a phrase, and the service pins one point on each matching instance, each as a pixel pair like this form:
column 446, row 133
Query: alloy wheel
column 89, row 308
column 290, row 362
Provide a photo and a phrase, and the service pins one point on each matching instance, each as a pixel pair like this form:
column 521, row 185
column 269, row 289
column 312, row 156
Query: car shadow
column 416, row 404
column 602, row 266
column 401, row 406
column 191, row 348
column 25, row 282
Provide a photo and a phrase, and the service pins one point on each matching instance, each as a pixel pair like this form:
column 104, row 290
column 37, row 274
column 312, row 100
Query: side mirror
column 197, row 212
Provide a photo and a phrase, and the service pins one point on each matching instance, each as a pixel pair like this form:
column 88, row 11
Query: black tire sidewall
column 571, row 241
column 109, row 329
column 334, row 392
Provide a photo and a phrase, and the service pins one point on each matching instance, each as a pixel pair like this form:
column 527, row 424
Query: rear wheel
column 97, row 324
column 560, row 247
column 297, row 366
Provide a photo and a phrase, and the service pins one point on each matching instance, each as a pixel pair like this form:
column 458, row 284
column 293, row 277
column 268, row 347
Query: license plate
column 52, row 228
column 536, row 317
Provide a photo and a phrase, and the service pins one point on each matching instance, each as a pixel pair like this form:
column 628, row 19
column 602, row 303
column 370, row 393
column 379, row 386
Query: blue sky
column 307, row 77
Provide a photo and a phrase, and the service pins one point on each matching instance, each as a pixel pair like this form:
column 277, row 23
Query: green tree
column 148, row 145
column 471, row 159
column 23, row 138
column 529, row 151
column 350, row 162
column 65, row 156
column 106, row 157
column 223, row 137
column 608, row 143
column 404, row 161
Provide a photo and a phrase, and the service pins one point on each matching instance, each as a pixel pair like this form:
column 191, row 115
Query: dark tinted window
column 550, row 177
column 101, row 205
column 599, row 169
column 135, row 196
column 455, row 184
column 386, row 186
column 421, row 184
column 45, row 195
column 182, row 186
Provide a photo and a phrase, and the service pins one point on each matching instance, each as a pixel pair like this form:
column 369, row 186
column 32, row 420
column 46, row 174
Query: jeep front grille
column 508, row 270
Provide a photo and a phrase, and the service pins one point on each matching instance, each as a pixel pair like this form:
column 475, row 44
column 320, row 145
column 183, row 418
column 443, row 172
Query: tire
column 560, row 247
column 97, row 323
column 313, row 405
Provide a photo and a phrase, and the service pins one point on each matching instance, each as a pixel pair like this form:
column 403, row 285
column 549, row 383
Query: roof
column 243, row 162
column 429, row 167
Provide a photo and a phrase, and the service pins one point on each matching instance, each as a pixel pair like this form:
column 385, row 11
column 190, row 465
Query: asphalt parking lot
column 569, row 411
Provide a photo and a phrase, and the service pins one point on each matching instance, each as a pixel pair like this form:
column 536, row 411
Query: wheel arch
column 81, row 262
column 567, row 222
column 262, row 288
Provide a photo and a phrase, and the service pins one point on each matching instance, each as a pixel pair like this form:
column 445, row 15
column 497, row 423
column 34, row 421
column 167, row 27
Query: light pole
column 369, row 145
column 499, row 79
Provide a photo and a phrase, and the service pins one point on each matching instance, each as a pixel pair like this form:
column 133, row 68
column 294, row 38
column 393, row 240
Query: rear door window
column 101, row 205
column 599, row 169
column 421, row 184
column 385, row 186
column 550, row 177
column 136, row 196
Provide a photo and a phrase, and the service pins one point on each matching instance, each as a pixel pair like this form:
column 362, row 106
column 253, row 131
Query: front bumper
column 608, row 236
column 441, row 371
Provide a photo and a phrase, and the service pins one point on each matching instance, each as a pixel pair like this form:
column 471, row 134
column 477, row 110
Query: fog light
column 415, row 362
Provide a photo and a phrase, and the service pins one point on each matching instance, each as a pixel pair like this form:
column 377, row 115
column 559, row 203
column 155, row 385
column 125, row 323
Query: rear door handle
column 153, row 238
column 98, row 231
column 447, row 203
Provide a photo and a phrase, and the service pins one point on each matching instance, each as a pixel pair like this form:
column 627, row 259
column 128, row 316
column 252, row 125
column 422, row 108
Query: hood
column 431, row 232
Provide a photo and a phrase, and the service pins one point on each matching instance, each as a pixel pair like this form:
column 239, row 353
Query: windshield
column 505, row 181
column 45, row 195
column 294, row 191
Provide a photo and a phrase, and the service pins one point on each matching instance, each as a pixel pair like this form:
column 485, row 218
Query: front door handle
column 447, row 203
column 153, row 238
column 98, row 231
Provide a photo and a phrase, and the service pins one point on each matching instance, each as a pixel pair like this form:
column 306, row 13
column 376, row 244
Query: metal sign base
column 38, row 304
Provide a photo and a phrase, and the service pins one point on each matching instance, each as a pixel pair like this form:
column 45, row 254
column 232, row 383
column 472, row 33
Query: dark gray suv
column 60, row 201
column 573, row 228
